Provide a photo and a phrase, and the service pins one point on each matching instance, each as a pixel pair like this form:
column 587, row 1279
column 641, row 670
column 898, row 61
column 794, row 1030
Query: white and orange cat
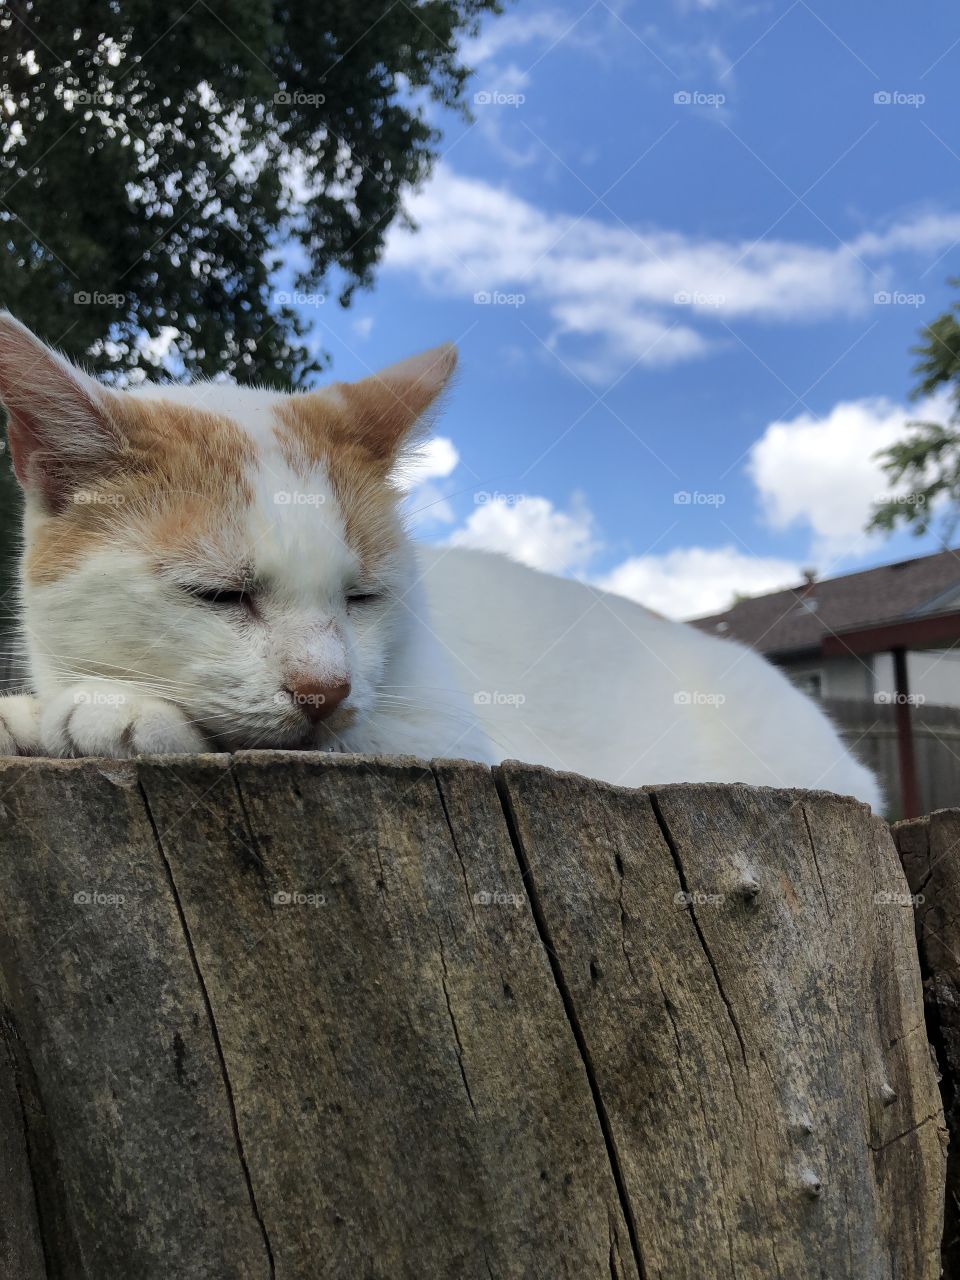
column 212, row 567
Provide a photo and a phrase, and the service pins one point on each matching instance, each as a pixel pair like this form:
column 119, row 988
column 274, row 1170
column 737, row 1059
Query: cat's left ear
column 59, row 423
column 389, row 407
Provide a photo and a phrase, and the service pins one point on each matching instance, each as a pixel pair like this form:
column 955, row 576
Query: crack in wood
column 215, row 1034
column 453, row 1023
column 616, row 1165
column 15, row 1050
column 675, row 854
column 816, row 860
column 454, row 842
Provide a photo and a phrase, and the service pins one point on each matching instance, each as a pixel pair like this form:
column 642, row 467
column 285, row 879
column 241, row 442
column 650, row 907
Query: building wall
column 846, row 677
column 933, row 675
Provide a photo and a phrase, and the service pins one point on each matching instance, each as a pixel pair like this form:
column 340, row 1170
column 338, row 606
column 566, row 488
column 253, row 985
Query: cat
column 216, row 567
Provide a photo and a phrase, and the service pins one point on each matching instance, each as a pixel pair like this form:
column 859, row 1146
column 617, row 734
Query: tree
column 155, row 160
column 927, row 461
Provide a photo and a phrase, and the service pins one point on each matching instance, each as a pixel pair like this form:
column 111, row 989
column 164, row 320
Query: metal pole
column 910, row 805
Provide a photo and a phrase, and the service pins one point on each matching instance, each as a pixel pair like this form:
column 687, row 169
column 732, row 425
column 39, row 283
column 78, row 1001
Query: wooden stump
column 930, row 851
column 291, row 1015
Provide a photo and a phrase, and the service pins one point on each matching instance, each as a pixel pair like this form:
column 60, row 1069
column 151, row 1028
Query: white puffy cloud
column 690, row 581
column 427, row 499
column 819, row 473
column 681, row 583
column 533, row 531
column 435, row 459
column 635, row 294
column 824, row 472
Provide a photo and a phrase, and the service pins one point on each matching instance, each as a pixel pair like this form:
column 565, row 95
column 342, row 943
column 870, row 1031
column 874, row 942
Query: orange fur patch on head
column 312, row 432
column 176, row 476
column 356, row 431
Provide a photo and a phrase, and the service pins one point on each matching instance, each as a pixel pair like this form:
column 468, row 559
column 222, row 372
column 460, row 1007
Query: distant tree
column 925, row 466
column 154, row 157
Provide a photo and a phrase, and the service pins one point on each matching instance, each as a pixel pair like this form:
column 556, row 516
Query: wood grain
column 296, row 1015
column 930, row 852
column 753, row 1018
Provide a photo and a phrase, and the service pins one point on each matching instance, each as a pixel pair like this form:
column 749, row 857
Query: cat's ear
column 59, row 424
column 386, row 407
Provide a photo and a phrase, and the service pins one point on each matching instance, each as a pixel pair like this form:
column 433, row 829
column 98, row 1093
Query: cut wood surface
column 930, row 852
column 297, row 1015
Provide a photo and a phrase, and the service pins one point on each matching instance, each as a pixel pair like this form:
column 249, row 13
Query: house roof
column 800, row 617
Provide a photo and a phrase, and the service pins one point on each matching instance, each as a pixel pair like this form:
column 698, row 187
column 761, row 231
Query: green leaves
column 156, row 159
column 925, row 467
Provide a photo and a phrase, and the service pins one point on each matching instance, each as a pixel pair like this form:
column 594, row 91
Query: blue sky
column 710, row 231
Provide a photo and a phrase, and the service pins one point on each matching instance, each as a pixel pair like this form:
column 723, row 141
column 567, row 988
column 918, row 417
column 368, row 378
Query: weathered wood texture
column 309, row 1016
column 930, row 852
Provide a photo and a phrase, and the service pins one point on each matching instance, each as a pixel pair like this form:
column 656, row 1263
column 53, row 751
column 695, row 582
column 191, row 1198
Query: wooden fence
column 869, row 729
column 300, row 1016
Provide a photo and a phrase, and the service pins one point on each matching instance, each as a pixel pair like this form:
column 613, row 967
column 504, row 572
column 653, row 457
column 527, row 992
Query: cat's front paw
column 100, row 719
column 20, row 726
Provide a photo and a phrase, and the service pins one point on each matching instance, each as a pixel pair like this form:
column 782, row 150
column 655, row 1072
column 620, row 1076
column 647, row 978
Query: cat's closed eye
column 363, row 597
column 222, row 596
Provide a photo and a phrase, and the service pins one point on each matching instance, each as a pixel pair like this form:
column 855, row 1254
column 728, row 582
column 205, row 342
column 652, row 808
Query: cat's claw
column 20, row 733
column 111, row 720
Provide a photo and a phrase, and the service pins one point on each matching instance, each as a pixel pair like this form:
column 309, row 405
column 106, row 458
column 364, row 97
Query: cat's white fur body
column 566, row 675
column 464, row 653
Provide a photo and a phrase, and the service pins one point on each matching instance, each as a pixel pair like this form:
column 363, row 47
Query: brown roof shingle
column 799, row 617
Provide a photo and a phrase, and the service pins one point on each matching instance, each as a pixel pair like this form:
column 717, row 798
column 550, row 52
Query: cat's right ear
column 59, row 424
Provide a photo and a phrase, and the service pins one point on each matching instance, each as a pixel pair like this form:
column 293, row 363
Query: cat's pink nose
column 315, row 698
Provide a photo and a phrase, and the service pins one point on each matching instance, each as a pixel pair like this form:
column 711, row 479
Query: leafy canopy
column 154, row 159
